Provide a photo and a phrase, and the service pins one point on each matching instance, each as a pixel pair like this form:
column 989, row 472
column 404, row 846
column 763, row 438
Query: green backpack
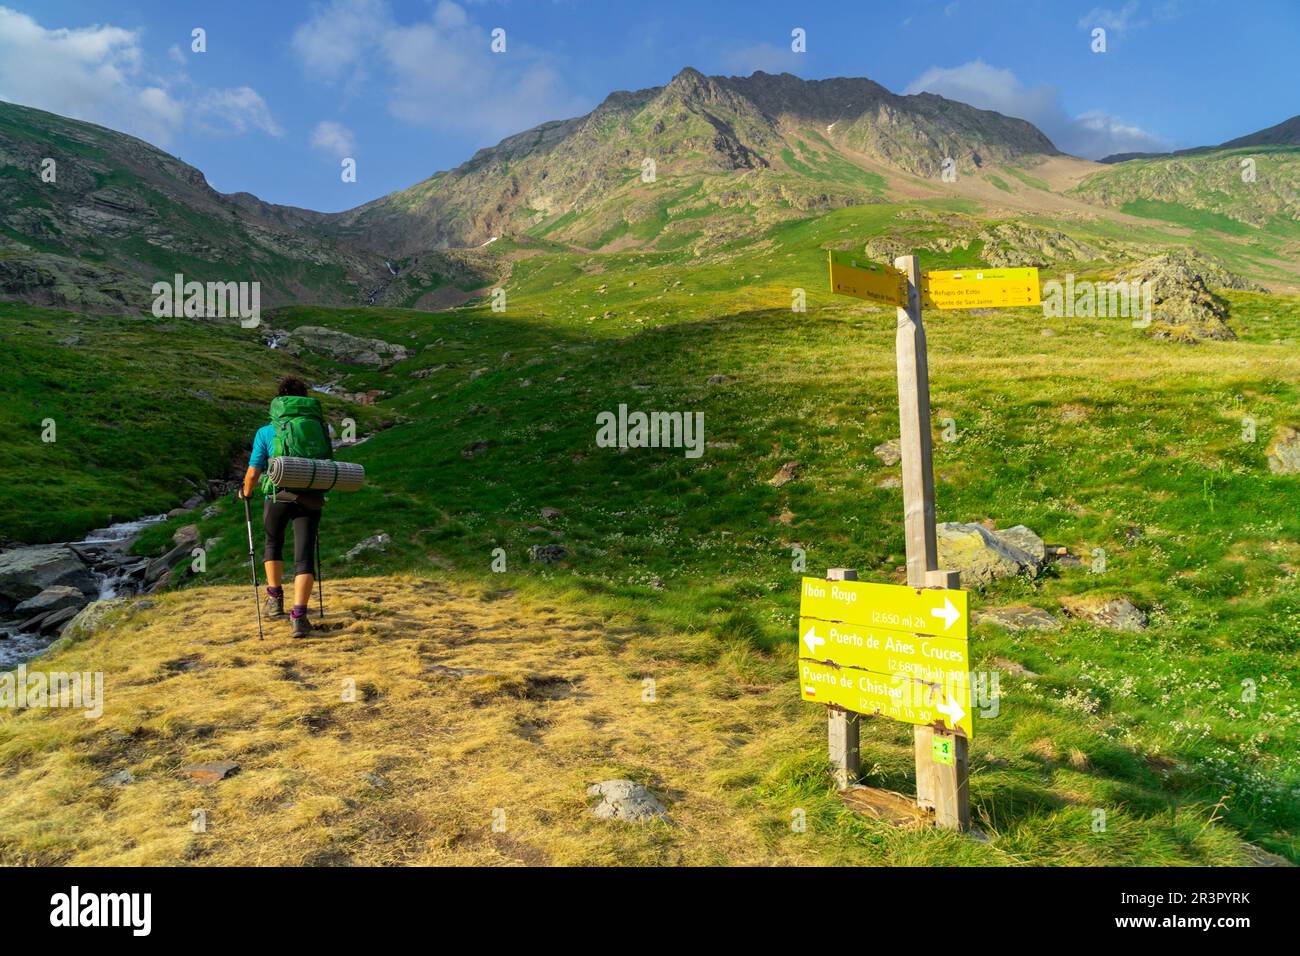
column 300, row 432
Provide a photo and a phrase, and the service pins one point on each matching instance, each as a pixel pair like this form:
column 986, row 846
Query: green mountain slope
column 119, row 214
column 728, row 153
column 1285, row 133
column 1207, row 189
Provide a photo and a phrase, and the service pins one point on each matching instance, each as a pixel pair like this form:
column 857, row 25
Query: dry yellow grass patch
column 397, row 737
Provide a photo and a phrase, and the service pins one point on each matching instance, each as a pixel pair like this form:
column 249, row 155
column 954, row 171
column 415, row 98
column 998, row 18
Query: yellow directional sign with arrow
column 925, row 657
column 979, row 288
column 898, row 698
column 853, row 275
column 894, row 607
column 887, row 649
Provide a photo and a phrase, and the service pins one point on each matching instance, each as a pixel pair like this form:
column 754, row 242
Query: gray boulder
column 1115, row 614
column 344, row 348
column 53, row 599
column 625, row 800
column 1284, row 453
column 1024, row 539
column 547, row 553
column 26, row 572
column 888, row 453
column 376, row 542
column 33, row 624
column 162, row 584
column 1021, row 617
column 784, row 475
column 160, row 566
column 92, row 617
column 1184, row 307
column 55, row 621
column 983, row 556
column 186, row 534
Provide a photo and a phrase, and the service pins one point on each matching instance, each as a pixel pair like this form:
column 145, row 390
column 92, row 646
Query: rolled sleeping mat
column 313, row 474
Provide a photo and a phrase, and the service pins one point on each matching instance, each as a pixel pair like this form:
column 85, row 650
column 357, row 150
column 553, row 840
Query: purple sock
column 274, row 592
column 299, row 610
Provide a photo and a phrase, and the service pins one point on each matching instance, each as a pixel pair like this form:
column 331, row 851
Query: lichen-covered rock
column 91, row 618
column 887, row 452
column 1116, row 613
column 1284, row 453
column 1014, row 244
column 784, row 475
column 1021, row 617
column 1183, row 306
column 47, row 279
column 376, row 542
column 982, row 555
column 342, row 347
column 547, row 553
column 625, row 800
column 1025, row 540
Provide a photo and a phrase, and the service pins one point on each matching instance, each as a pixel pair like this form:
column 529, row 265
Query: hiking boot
column 301, row 627
column 274, row 607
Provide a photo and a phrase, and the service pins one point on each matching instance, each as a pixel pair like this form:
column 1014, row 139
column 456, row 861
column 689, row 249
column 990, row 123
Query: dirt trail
column 465, row 705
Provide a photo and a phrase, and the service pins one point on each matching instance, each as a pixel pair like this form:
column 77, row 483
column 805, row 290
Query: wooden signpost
column 902, row 651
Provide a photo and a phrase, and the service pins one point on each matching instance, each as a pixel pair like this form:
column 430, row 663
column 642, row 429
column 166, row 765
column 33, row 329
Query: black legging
column 276, row 516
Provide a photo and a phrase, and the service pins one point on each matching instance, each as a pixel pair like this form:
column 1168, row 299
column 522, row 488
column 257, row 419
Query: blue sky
column 284, row 90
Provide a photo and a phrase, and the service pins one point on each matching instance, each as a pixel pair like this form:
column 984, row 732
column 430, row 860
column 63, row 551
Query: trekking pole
column 252, row 566
column 320, row 578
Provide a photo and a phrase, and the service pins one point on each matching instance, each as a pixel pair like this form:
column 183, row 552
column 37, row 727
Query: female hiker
column 297, row 429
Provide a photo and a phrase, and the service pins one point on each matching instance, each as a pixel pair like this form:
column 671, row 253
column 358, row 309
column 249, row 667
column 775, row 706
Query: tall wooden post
column 942, row 787
column 843, row 726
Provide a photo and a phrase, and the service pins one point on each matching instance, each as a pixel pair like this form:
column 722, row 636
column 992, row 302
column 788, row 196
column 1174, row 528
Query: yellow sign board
column 979, row 288
column 892, row 607
column 855, row 276
column 898, row 698
column 922, row 656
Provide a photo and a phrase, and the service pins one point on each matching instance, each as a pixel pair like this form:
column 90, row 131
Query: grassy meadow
column 678, row 570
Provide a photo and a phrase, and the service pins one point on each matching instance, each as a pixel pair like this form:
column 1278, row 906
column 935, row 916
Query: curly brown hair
column 293, row 386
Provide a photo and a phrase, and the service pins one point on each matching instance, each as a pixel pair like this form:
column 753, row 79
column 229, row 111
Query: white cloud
column 438, row 72
column 987, row 87
column 235, row 110
column 88, row 73
column 334, row 139
column 1128, row 17
column 1116, row 21
column 1092, row 134
column 98, row 74
column 339, row 35
column 157, row 102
